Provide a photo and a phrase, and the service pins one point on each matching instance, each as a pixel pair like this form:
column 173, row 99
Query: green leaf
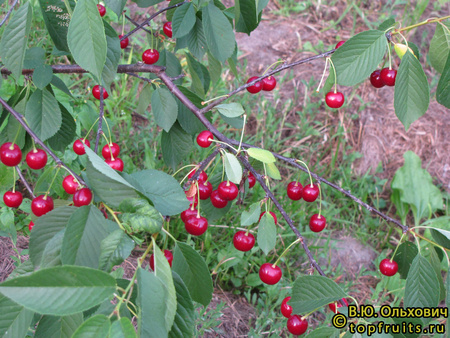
column 440, row 47
column 183, row 326
column 386, row 24
column 116, row 6
column 42, row 76
column 312, row 292
column 61, row 290
column 43, row 114
column 52, row 252
column 212, row 213
column 262, row 155
column 144, row 100
column 358, row 57
column 200, row 76
column 122, row 328
column 176, row 146
column 324, row 332
column 57, row 20
column 183, row 20
column 45, row 179
column 231, row 110
column 115, row 248
column 412, row 93
column 34, row 57
column 112, row 55
column 435, row 261
column 86, row 38
column 215, row 68
column 14, row 39
column 442, row 237
column 405, row 255
column 15, row 319
column 443, row 88
column 447, row 300
column 252, row 215
column 196, row 40
column 233, row 168
column 246, row 16
column 272, row 171
column 267, row 233
column 219, row 33
column 95, row 327
column 58, row 83
column 58, row 327
column 194, row 272
column 165, row 108
column 65, row 135
column 140, row 216
column 146, row 3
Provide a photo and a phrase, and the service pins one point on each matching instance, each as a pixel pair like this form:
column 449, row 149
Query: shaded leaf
column 112, row 55
column 183, row 20
column 440, row 47
column 15, row 319
column 200, row 76
column 58, row 327
column 443, row 88
column 442, row 237
column 267, row 233
column 183, row 326
column 57, row 20
column 176, row 145
column 65, row 135
column 95, row 327
column 116, row 6
column 165, row 108
column 42, row 76
column 246, row 16
column 252, row 215
column 405, row 255
column 115, row 248
column 196, row 40
column 122, row 328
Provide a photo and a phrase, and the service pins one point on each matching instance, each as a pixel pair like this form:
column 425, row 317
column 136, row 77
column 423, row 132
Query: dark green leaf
column 58, row 83
column 122, row 328
column 176, row 145
column 52, row 252
column 183, row 326
column 386, row 24
column 406, row 253
column 212, row 213
column 186, row 118
column 147, row 3
column 95, row 327
column 267, row 233
column 56, row 19
column 34, row 57
column 15, row 319
column 66, row 133
column 436, row 264
column 183, row 20
column 215, row 68
column 6, row 177
column 252, row 215
column 165, row 108
column 323, row 332
column 58, row 327
column 246, row 16
column 145, row 97
column 42, row 76
column 200, row 76
column 112, row 55
column 116, row 6
column 196, row 40
column 440, row 47
column 230, row 109
column 114, row 250
column 442, row 237
column 172, row 64
column 443, row 88
column 146, row 219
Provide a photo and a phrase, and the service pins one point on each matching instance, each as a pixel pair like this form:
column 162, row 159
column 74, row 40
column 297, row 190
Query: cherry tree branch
column 139, row 67
column 137, row 25
column 24, row 181
column 201, row 167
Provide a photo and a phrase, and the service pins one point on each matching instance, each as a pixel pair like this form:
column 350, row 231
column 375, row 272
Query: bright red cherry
column 270, row 274
column 10, row 154
column 13, row 199
column 251, row 180
column 36, row 159
column 273, row 215
column 167, row 29
column 217, row 201
column 41, row 205
column 101, row 10
column 167, row 253
column 310, row 192
column 150, row 56
column 205, row 190
column 111, row 150
column 78, row 146
column 334, row 100
column 123, row 42
column 228, row 190
column 333, row 308
column 388, row 76
column 339, row 44
column 317, row 223
column 30, row 225
column 82, row 197
column 269, row 83
column 116, row 164
column 286, row 310
column 256, row 88
column 96, row 92
column 243, row 241
column 296, row 325
column 202, row 177
column 196, row 225
column 388, row 267
column 204, row 139
column 188, row 213
column 375, row 79
column 70, row 185
column 294, row 190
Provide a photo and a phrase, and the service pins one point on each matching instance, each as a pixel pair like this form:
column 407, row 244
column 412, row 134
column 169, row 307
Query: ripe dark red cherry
column 310, row 192
column 110, row 149
column 13, row 199
column 78, row 146
column 296, row 325
column 388, row 267
column 123, row 43
column 30, row 225
column 270, row 274
column 375, row 79
column 204, row 139
column 10, row 154
column 202, row 177
column 96, row 92
column 339, row 44
column 256, row 88
column 101, row 10
column 294, row 190
column 116, row 164
column 196, row 225
column 333, row 308
column 388, row 76
column 36, row 159
column 317, row 223
column 273, row 215
column 217, row 201
column 269, row 83
column 167, row 253
column 205, row 190
column 188, row 213
column 251, row 180
column 334, row 100
column 70, row 185
column 150, row 56
column 243, row 241
column 286, row 310
column 228, row 190
column 82, row 197
column 41, row 205
column 167, row 29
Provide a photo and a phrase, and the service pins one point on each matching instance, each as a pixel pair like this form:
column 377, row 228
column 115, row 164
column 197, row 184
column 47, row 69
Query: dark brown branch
column 9, row 12
column 136, row 24
column 201, row 166
column 24, row 181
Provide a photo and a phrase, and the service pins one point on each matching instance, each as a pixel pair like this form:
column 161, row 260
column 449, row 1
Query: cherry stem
column 273, row 64
column 426, row 22
column 111, row 211
column 14, row 179
column 223, row 143
column 323, row 74
column 109, row 129
column 213, row 99
column 286, row 250
column 74, row 177
column 169, row 234
column 426, row 239
column 90, row 129
column 198, row 199
column 100, row 120
column 242, row 134
column 334, row 71
column 182, row 168
column 109, row 146
column 309, row 171
column 53, row 180
column 389, row 54
column 320, row 200
column 396, row 248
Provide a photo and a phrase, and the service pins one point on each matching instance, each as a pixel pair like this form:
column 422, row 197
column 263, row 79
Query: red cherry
column 296, row 325
column 193, row 200
column 96, row 92
column 167, row 29
column 30, row 225
column 286, row 310
column 202, row 177
column 13, row 199
column 228, row 190
column 10, row 154
column 251, row 180
column 101, row 10
column 123, row 42
column 375, row 79
column 116, row 164
column 70, row 185
column 204, row 139
column 36, row 159
column 167, row 253
column 317, row 223
column 310, row 192
column 150, row 56
column 388, row 267
column 388, row 76
column 256, row 88
column 269, row 83
column 334, row 100
column 243, row 241
column 188, row 213
column 333, row 308
column 110, row 150
column 205, row 190
column 82, row 197
column 270, row 274
column 41, row 205
column 78, row 146
column 339, row 44
column 294, row 190
column 217, row 201
column 273, row 215
column 196, row 225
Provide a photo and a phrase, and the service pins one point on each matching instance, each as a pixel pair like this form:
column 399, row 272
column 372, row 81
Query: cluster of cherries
column 383, row 77
column 267, row 84
column 102, row 11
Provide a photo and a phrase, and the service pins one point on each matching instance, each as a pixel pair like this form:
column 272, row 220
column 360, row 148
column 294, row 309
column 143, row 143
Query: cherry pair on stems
column 11, row 156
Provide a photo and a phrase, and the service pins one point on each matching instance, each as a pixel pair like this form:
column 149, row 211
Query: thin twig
column 24, row 181
column 9, row 12
column 137, row 25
